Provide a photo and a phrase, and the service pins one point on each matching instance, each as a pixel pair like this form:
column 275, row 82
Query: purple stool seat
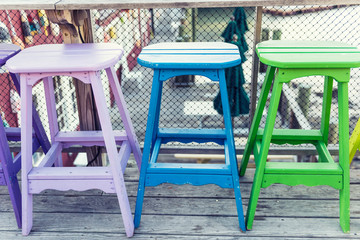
column 9, row 166
column 84, row 62
column 88, row 57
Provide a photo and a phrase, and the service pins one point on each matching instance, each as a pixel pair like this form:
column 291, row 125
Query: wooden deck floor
column 188, row 212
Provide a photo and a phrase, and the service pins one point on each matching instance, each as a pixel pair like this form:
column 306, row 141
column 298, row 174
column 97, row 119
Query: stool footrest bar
column 71, row 178
column 293, row 136
column 88, row 138
column 56, row 173
column 335, row 181
column 14, row 134
column 191, row 135
column 220, row 169
column 304, row 168
column 154, row 179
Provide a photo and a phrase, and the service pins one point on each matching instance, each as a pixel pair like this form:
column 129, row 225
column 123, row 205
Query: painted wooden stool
column 175, row 59
column 354, row 142
column 288, row 60
column 84, row 62
column 9, row 166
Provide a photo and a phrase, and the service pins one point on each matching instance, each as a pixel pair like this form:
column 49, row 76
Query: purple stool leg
column 51, row 110
column 9, row 167
column 112, row 152
column 8, row 171
column 26, row 164
column 124, row 114
column 37, row 125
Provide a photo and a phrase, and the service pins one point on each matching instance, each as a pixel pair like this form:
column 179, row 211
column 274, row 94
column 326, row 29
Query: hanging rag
column 238, row 99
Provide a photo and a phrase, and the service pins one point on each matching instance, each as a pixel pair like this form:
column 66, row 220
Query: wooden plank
column 180, row 206
column 212, row 191
column 115, row 236
column 132, row 4
column 26, row 4
column 192, row 226
column 283, row 212
column 272, row 192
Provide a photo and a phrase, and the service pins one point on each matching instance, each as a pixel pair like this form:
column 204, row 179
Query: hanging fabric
column 238, row 99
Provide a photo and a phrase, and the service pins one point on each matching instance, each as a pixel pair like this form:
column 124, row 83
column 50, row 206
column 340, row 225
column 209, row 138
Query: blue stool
column 176, row 59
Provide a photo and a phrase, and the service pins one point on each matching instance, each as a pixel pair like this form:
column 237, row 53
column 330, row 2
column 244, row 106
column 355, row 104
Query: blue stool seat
column 176, row 59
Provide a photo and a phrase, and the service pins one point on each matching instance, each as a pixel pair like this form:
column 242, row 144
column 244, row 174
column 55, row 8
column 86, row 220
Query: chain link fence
column 187, row 101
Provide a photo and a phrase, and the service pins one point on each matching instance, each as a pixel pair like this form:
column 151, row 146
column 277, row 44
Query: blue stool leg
column 230, row 148
column 157, row 116
column 154, row 110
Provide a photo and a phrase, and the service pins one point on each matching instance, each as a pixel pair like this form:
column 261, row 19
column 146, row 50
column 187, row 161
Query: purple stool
column 84, row 62
column 10, row 166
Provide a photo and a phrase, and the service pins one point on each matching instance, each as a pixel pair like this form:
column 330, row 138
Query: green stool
column 288, row 60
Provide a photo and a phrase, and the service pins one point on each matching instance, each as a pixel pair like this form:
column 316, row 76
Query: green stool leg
column 344, row 155
column 325, row 114
column 326, row 108
column 257, row 118
column 265, row 145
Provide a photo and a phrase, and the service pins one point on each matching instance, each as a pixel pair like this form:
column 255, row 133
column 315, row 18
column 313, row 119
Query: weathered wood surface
column 185, row 226
column 132, row 4
column 27, row 4
column 123, row 4
column 103, row 236
column 179, row 206
column 188, row 212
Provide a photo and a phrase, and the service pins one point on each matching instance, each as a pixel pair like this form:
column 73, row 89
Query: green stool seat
column 286, row 61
